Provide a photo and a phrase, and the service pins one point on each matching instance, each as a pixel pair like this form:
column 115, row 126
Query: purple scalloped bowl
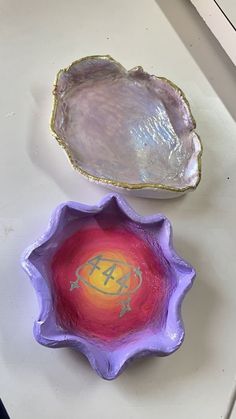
column 109, row 284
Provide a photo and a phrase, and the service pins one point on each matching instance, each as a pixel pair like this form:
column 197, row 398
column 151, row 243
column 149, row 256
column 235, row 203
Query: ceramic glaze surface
column 126, row 127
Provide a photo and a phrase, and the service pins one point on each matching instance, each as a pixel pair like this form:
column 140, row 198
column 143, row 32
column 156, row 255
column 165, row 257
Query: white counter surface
column 168, row 39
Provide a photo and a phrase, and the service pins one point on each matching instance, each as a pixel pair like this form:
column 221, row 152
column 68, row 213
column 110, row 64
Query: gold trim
column 106, row 181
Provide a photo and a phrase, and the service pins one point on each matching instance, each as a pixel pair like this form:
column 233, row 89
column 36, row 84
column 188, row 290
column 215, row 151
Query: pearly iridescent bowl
column 127, row 130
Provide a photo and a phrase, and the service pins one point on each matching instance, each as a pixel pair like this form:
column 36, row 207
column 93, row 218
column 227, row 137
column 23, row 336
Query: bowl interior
column 125, row 127
column 107, row 274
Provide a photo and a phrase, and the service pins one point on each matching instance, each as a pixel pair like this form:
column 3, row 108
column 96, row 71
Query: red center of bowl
column 108, row 283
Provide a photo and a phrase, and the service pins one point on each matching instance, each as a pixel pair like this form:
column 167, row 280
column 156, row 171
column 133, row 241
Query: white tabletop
column 37, row 38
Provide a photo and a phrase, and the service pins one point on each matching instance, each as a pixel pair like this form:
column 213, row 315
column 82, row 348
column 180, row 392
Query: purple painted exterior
column 109, row 362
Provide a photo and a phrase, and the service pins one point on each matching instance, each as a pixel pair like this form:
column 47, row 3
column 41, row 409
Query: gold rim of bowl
column 124, row 185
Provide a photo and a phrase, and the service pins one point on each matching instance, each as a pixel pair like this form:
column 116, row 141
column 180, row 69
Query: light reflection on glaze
column 125, row 127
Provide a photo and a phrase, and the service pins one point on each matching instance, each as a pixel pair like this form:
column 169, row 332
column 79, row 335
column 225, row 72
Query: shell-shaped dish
column 127, row 130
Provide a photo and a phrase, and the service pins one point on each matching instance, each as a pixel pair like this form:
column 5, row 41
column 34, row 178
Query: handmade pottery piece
column 127, row 130
column 109, row 284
